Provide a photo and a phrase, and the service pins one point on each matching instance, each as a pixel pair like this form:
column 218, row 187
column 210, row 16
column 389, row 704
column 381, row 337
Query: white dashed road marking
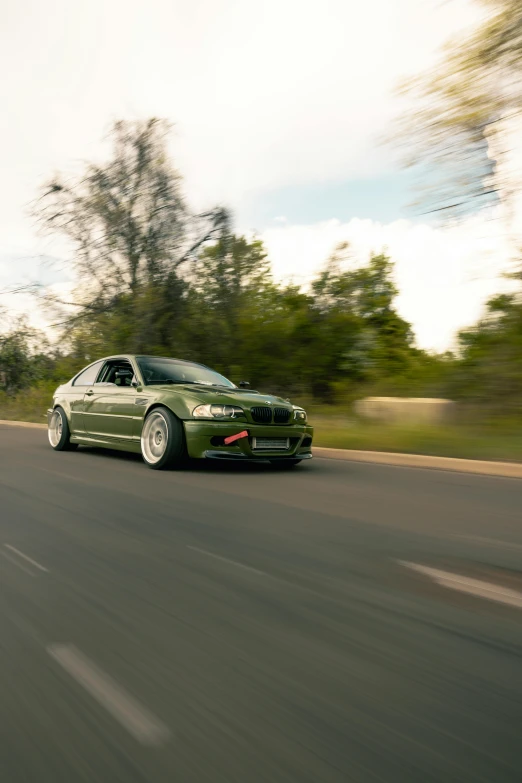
column 25, row 557
column 17, row 563
column 134, row 717
column 230, row 562
column 464, row 584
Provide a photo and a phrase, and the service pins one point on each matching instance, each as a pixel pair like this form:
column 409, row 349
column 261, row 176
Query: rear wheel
column 162, row 442
column 59, row 433
column 285, row 464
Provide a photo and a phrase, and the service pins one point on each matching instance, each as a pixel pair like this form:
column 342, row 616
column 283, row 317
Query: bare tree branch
column 126, row 220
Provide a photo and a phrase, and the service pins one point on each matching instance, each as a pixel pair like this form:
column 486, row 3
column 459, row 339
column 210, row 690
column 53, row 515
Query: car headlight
column 217, row 412
column 300, row 415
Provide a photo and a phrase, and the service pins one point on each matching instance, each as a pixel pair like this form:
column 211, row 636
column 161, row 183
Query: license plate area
column 270, row 444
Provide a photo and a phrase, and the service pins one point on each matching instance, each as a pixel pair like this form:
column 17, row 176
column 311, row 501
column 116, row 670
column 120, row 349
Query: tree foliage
column 458, row 109
column 154, row 278
column 232, row 316
column 490, row 370
column 126, row 221
column 24, row 357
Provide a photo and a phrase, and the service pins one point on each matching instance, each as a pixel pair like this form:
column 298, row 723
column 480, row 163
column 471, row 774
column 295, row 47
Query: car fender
column 177, row 410
column 180, row 405
column 62, row 401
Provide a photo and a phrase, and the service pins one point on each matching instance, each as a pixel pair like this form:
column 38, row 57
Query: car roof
column 145, row 356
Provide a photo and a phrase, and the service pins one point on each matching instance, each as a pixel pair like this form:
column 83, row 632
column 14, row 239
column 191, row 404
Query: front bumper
column 203, row 440
column 235, row 457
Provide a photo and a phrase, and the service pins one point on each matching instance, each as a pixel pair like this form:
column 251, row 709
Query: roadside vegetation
column 500, row 439
column 336, row 426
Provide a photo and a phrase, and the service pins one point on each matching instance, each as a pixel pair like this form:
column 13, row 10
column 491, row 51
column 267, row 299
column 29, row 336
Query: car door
column 109, row 409
column 76, row 395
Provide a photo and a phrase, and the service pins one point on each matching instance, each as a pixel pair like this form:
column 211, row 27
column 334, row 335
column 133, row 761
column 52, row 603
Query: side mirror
column 244, row 385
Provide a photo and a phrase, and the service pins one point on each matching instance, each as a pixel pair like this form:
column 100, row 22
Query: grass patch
column 28, row 405
column 489, row 441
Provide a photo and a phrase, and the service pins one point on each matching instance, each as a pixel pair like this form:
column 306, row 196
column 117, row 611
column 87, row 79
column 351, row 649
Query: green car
column 169, row 409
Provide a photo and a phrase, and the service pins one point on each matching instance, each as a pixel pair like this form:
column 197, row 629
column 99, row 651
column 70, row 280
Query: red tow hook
column 232, row 438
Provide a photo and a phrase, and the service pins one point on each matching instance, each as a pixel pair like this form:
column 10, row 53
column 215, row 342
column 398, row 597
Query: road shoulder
column 483, row 467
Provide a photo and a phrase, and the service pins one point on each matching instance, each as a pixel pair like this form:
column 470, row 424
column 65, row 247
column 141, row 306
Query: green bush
column 29, row 404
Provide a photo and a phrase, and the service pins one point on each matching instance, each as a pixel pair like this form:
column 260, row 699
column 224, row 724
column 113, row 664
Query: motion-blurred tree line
column 155, row 278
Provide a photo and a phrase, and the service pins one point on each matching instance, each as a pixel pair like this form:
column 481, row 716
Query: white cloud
column 444, row 275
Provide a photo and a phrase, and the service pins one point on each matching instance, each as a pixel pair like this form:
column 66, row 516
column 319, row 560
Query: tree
column 23, row 358
column 126, row 222
column 357, row 310
column 233, row 296
column 455, row 132
column 490, row 368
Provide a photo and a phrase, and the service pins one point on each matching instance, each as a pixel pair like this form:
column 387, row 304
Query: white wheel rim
column 154, row 437
column 55, row 428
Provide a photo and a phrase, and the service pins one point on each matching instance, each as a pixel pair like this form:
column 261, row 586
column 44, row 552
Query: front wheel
column 285, row 464
column 59, row 433
column 162, row 443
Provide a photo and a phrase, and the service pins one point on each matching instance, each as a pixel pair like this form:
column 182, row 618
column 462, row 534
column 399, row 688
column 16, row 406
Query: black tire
column 59, row 433
column 162, row 426
column 285, row 464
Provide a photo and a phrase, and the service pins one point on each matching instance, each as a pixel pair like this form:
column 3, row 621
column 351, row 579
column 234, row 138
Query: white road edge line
column 17, row 563
column 29, row 559
column 464, row 584
column 231, row 562
column 138, row 721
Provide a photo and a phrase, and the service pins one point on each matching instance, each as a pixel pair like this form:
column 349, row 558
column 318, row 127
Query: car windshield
column 157, row 371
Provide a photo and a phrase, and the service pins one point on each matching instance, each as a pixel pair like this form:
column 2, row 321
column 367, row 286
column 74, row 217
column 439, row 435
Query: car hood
column 245, row 398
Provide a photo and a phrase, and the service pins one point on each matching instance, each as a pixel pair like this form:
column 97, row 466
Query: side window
column 88, row 376
column 119, row 372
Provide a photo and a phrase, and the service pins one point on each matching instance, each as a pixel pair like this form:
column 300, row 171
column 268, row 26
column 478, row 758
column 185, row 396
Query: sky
column 279, row 109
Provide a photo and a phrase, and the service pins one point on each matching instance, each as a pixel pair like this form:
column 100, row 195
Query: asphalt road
column 235, row 624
